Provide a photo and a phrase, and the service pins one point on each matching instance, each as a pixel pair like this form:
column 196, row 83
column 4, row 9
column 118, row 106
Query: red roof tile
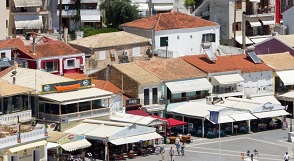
column 107, row 86
column 226, row 63
column 75, row 76
column 5, row 71
column 169, row 21
column 55, row 48
column 171, row 69
column 11, row 43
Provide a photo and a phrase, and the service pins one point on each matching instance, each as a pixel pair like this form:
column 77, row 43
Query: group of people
column 180, row 150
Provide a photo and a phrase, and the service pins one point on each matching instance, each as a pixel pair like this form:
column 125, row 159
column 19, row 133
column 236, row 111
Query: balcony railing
column 188, row 98
column 12, row 118
column 258, row 90
column 69, row 13
column 75, row 116
column 25, row 137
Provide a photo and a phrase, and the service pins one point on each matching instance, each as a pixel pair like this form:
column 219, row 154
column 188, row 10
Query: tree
column 119, row 11
column 190, row 3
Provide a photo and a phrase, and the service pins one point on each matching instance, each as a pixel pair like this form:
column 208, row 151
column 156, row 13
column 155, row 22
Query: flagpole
column 219, row 143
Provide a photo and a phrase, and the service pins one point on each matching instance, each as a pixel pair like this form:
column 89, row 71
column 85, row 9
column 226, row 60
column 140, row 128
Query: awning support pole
column 232, row 127
column 183, row 118
column 203, row 127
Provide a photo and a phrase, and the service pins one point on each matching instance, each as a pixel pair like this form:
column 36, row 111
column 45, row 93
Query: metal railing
column 12, row 118
column 76, row 115
column 25, row 137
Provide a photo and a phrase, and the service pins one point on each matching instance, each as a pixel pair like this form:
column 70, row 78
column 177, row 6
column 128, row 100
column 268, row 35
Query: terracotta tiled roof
column 75, row 76
column 137, row 73
column 57, row 48
column 110, row 39
column 9, row 89
column 226, row 63
column 101, row 84
column 171, row 69
column 7, row 70
column 169, row 21
column 11, row 43
column 278, row 61
column 107, row 86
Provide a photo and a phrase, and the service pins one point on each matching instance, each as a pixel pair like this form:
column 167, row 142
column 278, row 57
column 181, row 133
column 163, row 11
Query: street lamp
column 291, row 115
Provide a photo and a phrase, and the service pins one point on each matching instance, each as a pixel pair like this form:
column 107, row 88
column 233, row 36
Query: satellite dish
column 149, row 53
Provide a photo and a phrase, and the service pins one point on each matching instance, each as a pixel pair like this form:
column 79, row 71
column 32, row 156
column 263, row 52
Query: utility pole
column 60, row 17
column 243, row 30
column 234, row 26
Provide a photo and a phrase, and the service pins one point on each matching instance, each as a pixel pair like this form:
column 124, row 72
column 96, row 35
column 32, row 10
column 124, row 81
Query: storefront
column 68, row 146
column 112, row 134
column 196, row 113
column 26, row 152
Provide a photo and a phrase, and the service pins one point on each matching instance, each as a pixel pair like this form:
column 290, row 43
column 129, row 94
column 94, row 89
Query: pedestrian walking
column 286, row 156
column 171, row 154
column 183, row 147
column 162, row 151
column 251, row 157
column 178, row 145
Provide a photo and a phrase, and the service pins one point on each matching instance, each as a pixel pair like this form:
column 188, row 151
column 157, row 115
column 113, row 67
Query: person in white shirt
column 286, row 156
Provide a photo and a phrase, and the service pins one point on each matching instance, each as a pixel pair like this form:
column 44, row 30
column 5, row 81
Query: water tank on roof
column 281, row 29
column 79, row 35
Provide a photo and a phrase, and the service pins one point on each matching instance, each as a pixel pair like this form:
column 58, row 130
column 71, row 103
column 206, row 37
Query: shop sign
column 70, row 138
column 267, row 107
column 66, row 86
column 133, row 101
column 25, row 154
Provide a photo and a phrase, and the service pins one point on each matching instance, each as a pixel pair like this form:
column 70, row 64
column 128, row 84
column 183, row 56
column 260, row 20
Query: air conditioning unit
column 209, row 100
column 112, row 55
column 82, row 66
column 274, row 33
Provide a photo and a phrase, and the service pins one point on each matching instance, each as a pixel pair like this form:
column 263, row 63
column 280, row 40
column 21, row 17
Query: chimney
column 34, row 44
column 65, row 34
column 107, row 72
column 278, row 11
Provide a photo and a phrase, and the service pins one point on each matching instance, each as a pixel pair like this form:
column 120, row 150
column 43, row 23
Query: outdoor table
column 262, row 126
column 273, row 125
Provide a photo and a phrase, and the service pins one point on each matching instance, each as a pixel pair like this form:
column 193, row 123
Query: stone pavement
column 271, row 145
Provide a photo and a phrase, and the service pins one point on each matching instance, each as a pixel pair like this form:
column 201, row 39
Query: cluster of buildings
column 117, row 88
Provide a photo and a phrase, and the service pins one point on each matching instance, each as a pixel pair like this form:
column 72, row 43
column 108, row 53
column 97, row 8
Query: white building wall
column 149, row 86
column 7, row 53
column 256, row 81
column 288, row 20
column 222, row 12
column 189, row 42
column 5, row 15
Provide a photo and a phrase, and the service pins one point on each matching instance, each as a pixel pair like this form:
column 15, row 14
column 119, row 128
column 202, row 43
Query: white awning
column 267, row 20
column 265, row 99
column 288, row 94
column 224, row 119
column 229, row 78
column 189, row 85
column 52, row 145
column 253, row 21
column 90, row 15
column 240, row 40
column 163, row 8
column 258, row 40
column 27, row 3
column 80, row 144
column 27, row 146
column 137, row 138
column 77, row 96
column 242, row 116
column 287, row 77
column 29, row 21
column 270, row 114
column 142, row 6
